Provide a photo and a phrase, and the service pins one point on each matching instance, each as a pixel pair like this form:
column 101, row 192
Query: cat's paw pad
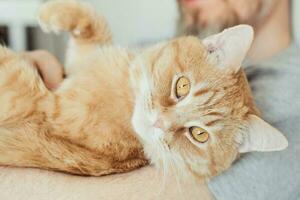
column 65, row 15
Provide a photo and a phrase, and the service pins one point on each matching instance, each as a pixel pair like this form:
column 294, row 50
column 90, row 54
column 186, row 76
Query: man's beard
column 204, row 29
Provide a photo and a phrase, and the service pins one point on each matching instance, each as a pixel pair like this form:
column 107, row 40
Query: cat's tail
column 78, row 18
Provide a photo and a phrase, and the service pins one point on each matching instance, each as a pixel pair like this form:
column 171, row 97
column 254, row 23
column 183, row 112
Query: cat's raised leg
column 88, row 30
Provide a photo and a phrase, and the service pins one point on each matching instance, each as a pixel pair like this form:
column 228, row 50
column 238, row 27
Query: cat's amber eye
column 182, row 87
column 199, row 134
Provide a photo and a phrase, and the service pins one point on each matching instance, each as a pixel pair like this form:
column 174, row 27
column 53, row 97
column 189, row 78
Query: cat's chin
column 156, row 149
column 144, row 127
column 150, row 136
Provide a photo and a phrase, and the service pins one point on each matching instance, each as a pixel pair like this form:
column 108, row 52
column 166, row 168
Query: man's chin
column 203, row 32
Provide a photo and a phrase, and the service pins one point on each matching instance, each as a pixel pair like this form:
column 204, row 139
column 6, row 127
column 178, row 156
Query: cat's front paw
column 65, row 15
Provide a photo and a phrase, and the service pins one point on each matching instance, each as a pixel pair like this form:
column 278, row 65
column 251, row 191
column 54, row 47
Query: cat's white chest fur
column 151, row 137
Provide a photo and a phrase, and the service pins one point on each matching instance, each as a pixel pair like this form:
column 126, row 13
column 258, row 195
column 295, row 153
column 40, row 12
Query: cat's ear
column 229, row 48
column 261, row 136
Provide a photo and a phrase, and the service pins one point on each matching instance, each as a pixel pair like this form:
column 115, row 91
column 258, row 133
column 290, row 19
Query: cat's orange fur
column 85, row 127
column 82, row 128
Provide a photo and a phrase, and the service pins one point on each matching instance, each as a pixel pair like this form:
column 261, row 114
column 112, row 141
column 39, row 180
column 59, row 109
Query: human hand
column 50, row 69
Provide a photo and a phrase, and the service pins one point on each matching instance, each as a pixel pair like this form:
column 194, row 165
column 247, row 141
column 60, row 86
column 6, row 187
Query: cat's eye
column 182, row 87
column 199, row 134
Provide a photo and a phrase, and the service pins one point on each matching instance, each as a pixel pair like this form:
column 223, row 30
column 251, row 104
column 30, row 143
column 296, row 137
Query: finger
column 49, row 67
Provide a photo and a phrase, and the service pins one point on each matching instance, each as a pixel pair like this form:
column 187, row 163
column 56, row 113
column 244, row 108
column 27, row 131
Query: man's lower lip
column 189, row 2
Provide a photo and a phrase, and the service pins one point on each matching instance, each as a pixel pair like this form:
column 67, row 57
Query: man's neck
column 273, row 35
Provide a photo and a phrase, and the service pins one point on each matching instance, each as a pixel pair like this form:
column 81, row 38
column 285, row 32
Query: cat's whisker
column 164, row 167
column 176, row 175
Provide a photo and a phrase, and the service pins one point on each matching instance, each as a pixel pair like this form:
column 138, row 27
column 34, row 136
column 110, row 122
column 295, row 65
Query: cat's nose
column 159, row 123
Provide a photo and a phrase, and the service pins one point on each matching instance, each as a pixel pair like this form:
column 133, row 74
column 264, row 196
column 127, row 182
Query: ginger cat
column 183, row 104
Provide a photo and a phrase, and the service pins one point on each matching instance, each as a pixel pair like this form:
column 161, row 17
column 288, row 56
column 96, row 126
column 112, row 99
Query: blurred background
column 133, row 23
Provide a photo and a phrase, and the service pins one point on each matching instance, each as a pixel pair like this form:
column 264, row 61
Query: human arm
column 34, row 184
column 276, row 175
column 262, row 176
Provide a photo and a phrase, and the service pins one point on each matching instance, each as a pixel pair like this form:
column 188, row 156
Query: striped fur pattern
column 219, row 102
column 84, row 126
column 100, row 120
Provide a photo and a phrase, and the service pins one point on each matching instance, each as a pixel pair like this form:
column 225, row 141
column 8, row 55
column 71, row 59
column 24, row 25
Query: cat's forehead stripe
column 214, row 113
column 209, row 97
column 201, row 92
column 157, row 57
column 177, row 57
column 212, row 122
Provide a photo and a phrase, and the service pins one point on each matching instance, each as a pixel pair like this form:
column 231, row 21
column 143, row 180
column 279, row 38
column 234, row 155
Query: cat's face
column 193, row 107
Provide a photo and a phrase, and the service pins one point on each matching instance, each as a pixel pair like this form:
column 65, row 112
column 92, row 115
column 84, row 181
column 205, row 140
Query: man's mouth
column 189, row 2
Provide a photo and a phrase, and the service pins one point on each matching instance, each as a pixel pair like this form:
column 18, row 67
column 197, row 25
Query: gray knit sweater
column 276, row 175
